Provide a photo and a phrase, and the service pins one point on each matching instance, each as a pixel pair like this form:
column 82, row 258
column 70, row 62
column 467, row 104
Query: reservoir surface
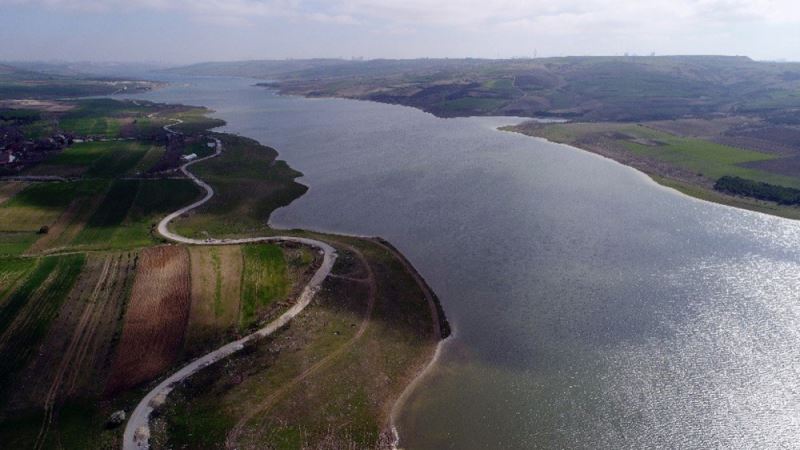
column 592, row 308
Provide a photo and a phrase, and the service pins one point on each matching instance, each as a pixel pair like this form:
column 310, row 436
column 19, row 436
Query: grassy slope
column 345, row 400
column 249, row 184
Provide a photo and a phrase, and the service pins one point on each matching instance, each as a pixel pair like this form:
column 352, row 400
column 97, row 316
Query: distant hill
column 256, row 69
column 616, row 88
column 23, row 83
column 82, row 69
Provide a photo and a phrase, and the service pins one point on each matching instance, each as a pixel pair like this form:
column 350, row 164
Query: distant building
column 212, row 144
column 7, row 157
column 189, row 157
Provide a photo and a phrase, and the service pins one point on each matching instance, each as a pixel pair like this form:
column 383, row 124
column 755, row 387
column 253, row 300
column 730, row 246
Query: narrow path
column 137, row 430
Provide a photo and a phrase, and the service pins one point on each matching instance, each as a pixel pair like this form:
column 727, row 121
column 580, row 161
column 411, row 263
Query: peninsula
column 146, row 303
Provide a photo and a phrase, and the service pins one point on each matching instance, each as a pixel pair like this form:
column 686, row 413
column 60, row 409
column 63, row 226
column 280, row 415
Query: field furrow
column 216, row 290
column 155, row 322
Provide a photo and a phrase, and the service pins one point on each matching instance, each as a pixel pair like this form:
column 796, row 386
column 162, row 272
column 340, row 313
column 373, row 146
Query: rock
column 117, row 418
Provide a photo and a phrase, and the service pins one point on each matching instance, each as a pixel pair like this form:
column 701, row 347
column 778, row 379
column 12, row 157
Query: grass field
column 41, row 203
column 690, row 165
column 264, row 280
column 104, row 222
column 216, row 293
column 98, row 160
column 129, row 211
column 11, row 271
column 9, row 189
column 249, row 185
column 102, row 118
column 195, row 120
column 707, row 158
column 26, row 315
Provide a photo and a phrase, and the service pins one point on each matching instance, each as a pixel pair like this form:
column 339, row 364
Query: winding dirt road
column 137, row 429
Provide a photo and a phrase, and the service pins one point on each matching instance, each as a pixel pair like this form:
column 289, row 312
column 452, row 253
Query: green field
column 102, row 118
column 129, row 211
column 264, row 280
column 703, row 157
column 700, row 163
column 98, row 160
column 41, row 203
column 11, row 271
column 249, row 185
column 26, row 315
column 195, row 120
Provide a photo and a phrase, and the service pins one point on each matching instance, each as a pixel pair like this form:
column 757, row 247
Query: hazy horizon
column 183, row 32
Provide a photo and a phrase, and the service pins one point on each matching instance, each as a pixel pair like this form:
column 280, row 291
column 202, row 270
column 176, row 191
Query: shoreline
column 137, row 429
column 441, row 329
column 685, row 188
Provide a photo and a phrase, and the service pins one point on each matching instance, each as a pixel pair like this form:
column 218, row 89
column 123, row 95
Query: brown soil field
column 216, row 291
column 10, row 189
column 156, row 319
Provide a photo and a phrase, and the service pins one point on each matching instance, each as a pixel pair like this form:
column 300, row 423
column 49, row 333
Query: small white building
column 189, row 157
column 211, row 144
column 7, row 158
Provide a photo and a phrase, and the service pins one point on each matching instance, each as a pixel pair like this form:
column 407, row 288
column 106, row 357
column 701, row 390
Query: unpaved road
column 137, row 429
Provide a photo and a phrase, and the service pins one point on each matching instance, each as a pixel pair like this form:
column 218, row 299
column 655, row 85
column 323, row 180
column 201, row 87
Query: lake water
column 592, row 308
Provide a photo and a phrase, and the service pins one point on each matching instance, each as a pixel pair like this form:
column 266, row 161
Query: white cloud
column 482, row 27
column 453, row 12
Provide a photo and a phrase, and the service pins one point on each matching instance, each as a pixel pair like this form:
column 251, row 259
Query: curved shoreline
column 441, row 329
column 137, row 429
column 726, row 200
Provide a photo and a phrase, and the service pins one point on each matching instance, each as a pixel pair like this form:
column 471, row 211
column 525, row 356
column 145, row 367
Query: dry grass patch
column 9, row 189
column 68, row 225
column 152, row 335
column 216, row 290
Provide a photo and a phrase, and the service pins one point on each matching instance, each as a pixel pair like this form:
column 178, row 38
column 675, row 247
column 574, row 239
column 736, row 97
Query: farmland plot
column 156, row 317
column 264, row 281
column 75, row 354
column 216, row 290
column 26, row 315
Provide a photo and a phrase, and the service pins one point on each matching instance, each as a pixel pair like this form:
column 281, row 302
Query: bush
column 755, row 189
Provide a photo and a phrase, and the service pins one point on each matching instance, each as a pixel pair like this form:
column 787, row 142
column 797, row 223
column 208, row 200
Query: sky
column 186, row 31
